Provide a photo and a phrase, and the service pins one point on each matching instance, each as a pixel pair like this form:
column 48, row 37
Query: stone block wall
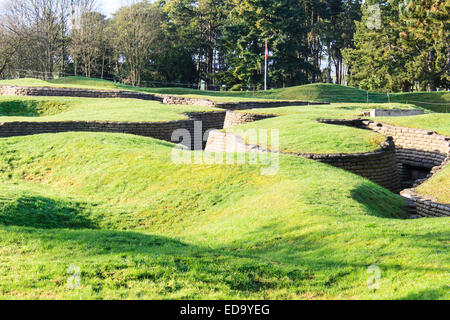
column 236, row 118
column 379, row 167
column 69, row 92
column 162, row 131
column 394, row 113
column 168, row 99
column 165, row 99
column 413, row 139
column 241, row 105
column 210, row 120
column 264, row 104
column 157, row 130
column 219, row 141
column 414, row 147
column 425, row 206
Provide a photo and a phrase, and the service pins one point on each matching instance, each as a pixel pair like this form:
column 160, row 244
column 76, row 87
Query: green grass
column 31, row 108
column 86, row 83
column 330, row 93
column 438, row 186
column 434, row 101
column 436, row 122
column 69, row 82
column 138, row 226
column 299, row 131
column 88, row 109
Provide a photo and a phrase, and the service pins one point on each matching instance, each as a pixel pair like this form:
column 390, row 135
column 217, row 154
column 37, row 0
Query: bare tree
column 88, row 43
column 137, row 30
column 42, row 28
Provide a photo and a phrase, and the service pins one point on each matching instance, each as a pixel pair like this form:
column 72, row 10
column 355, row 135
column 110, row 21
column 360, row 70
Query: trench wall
column 157, row 130
column 233, row 119
column 70, row 92
column 165, row 99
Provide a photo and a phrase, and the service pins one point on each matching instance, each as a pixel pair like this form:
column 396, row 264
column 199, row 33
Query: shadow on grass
column 380, row 202
column 123, row 257
column 30, row 108
column 429, row 294
column 44, row 213
column 112, row 260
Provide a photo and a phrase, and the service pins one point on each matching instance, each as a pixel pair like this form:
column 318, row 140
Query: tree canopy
column 384, row 45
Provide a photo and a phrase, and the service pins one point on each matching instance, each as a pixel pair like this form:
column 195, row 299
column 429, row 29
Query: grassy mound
column 329, row 93
column 434, row 101
column 88, row 109
column 138, row 226
column 300, row 135
column 300, row 132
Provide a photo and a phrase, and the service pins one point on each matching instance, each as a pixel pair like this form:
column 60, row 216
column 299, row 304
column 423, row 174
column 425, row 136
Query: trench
column 408, row 158
column 418, row 152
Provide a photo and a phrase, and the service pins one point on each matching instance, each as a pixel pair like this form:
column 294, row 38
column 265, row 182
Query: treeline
column 378, row 45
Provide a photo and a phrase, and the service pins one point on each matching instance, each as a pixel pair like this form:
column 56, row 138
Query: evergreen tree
column 400, row 45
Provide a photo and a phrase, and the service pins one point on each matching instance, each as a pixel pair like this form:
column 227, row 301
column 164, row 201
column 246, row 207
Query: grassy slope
column 438, row 187
column 301, row 133
column 86, row 109
column 435, row 101
column 201, row 231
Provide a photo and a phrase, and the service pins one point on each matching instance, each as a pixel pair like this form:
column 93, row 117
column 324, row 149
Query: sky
column 110, row 6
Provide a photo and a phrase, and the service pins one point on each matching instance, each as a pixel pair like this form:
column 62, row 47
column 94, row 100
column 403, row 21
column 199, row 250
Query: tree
column 40, row 26
column 338, row 31
column 197, row 27
column 428, row 31
column 89, row 43
column 400, row 45
column 137, row 29
column 8, row 45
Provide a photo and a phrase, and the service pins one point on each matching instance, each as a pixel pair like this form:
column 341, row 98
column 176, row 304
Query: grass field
column 115, row 211
column 434, row 101
column 88, row 109
column 138, row 226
